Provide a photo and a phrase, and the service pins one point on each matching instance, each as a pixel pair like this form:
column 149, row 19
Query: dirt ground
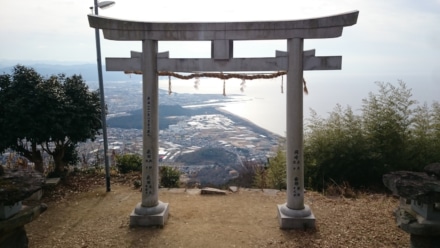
column 247, row 218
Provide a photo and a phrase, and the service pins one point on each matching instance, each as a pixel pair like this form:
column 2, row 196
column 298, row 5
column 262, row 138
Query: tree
column 334, row 149
column 276, row 171
column 390, row 134
column 425, row 139
column 387, row 118
column 435, row 114
column 46, row 115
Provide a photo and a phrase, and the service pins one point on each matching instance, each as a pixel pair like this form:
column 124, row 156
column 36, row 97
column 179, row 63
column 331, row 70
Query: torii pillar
column 294, row 213
column 150, row 211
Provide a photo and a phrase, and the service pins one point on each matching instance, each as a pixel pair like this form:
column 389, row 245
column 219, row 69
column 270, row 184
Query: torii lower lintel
column 278, row 63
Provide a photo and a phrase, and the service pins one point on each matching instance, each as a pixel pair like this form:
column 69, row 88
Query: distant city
column 193, row 121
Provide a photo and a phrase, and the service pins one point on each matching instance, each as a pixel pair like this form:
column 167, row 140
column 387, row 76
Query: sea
column 263, row 101
column 259, row 101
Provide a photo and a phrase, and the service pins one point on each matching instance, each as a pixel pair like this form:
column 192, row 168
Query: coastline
column 134, row 118
column 241, row 120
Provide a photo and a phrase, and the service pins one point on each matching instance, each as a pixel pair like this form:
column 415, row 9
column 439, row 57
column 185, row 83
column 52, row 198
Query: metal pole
column 102, row 100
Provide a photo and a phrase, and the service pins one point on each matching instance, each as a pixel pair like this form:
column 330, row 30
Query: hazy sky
column 393, row 39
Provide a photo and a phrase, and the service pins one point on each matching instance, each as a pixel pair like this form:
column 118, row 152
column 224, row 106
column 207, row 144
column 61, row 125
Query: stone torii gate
column 292, row 214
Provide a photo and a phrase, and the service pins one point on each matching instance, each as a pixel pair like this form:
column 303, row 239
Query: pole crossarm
column 278, row 63
column 321, row 27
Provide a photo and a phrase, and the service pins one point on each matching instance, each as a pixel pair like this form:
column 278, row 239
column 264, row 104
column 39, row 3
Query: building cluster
column 188, row 135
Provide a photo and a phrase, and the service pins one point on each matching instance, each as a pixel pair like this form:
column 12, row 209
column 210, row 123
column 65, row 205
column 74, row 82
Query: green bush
column 169, row 177
column 273, row 175
column 129, row 162
column 389, row 133
column 260, row 178
column 247, row 174
column 276, row 172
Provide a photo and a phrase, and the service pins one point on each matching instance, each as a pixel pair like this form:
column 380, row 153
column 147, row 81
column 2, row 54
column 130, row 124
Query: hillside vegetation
column 391, row 132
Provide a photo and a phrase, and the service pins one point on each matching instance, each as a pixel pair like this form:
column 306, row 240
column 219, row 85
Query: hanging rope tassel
column 196, row 83
column 169, row 85
column 224, row 87
column 282, row 82
column 242, row 85
column 305, row 87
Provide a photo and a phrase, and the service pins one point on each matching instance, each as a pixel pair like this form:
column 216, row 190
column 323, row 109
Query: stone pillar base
column 295, row 219
column 153, row 216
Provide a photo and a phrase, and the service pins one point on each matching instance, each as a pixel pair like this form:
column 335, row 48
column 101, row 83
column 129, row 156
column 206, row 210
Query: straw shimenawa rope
column 220, row 75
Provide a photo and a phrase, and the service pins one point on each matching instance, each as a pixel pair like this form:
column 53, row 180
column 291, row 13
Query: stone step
column 212, row 191
column 52, row 181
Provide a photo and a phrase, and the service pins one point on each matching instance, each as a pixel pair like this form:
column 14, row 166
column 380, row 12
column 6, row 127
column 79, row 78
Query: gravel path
column 247, row 218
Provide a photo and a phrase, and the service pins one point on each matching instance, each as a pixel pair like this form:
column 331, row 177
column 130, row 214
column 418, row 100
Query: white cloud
column 394, row 28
